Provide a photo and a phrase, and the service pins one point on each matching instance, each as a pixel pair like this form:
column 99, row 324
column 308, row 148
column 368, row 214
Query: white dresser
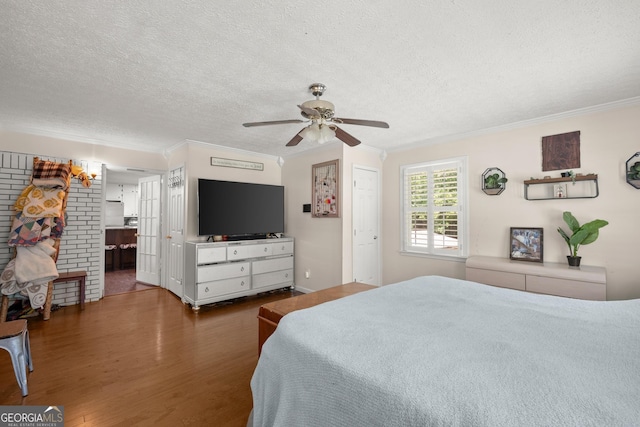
column 585, row 282
column 224, row 270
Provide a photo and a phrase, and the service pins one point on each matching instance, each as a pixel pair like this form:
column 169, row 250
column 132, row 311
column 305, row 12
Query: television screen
column 239, row 208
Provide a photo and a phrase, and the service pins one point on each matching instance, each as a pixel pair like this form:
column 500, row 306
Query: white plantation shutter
column 433, row 215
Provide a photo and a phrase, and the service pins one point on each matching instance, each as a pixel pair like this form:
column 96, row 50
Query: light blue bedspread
column 434, row 351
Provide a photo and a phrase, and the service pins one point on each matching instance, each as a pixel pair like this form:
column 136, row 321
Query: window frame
column 406, row 246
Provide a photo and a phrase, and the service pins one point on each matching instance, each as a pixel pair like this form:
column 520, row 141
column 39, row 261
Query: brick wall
column 81, row 241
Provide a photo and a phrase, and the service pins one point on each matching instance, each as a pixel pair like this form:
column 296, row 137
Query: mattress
column 442, row 351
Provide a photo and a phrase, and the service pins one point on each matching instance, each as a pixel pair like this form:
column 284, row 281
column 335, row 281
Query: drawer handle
column 206, row 289
column 242, row 268
column 235, row 252
column 283, row 247
column 265, row 249
column 286, row 275
column 242, row 283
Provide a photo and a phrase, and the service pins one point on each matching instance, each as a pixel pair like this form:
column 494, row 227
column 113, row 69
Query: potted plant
column 493, row 183
column 634, row 171
column 580, row 235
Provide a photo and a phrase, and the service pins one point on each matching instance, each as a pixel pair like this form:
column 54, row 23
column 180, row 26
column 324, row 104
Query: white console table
column 585, row 282
column 224, row 270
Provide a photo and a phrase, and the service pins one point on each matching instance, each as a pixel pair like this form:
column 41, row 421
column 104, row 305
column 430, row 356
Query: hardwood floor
column 121, row 281
column 143, row 358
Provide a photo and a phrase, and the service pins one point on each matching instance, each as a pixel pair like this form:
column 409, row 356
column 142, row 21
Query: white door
column 366, row 244
column 148, row 253
column 175, row 244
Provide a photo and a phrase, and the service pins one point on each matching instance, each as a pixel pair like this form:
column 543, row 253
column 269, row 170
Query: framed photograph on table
column 325, row 189
column 526, row 244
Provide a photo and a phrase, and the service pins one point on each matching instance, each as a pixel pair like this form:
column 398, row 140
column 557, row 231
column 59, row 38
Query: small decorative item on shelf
column 560, row 191
column 570, row 174
column 493, row 181
column 581, row 235
column 633, row 171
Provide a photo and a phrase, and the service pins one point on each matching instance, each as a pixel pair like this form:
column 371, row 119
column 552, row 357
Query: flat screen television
column 239, row 209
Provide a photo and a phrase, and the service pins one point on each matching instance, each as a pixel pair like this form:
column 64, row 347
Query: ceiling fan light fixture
column 318, row 132
column 323, row 127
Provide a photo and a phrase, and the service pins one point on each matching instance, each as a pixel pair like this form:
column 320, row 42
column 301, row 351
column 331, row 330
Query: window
column 433, row 203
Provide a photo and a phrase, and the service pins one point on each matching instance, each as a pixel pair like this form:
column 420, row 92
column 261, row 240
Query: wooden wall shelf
column 588, row 191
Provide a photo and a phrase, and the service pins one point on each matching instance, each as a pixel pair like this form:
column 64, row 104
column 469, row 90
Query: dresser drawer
column 274, row 264
column 282, row 277
column 222, row 271
column 208, row 255
column 282, row 248
column 567, row 288
column 223, row 287
column 502, row 279
column 248, row 251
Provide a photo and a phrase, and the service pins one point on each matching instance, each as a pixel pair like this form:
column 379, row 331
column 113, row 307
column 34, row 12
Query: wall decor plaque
column 561, row 151
column 240, row 164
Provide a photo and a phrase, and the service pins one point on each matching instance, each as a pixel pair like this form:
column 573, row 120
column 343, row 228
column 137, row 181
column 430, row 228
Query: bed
column 442, row 351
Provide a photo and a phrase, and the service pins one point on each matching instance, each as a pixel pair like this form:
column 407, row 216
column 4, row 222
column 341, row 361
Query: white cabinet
column 130, row 199
column 113, row 192
column 585, row 282
column 224, row 270
column 125, row 193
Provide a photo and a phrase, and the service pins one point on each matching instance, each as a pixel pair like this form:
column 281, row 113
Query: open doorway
column 126, row 254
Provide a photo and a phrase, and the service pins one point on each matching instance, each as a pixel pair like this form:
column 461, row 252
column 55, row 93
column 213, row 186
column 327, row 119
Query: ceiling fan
column 324, row 126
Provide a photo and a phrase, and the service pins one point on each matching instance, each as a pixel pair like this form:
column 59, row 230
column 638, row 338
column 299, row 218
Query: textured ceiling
column 151, row 74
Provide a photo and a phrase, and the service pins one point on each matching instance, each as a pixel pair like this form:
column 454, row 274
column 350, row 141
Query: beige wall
column 92, row 153
column 323, row 246
column 198, row 161
column 608, row 139
column 318, row 241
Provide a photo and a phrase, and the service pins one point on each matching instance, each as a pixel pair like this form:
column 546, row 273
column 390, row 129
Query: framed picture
column 325, row 191
column 526, row 244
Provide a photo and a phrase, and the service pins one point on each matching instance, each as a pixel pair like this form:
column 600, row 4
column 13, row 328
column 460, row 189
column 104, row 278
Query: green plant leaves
column 494, row 181
column 582, row 235
column 571, row 221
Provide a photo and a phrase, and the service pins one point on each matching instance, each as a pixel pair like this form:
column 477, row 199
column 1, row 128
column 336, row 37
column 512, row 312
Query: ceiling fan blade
column 348, row 139
column 275, row 122
column 372, row 123
column 295, row 140
column 312, row 113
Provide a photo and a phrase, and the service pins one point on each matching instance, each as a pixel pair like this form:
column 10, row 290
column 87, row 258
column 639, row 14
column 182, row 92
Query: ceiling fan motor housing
column 324, row 108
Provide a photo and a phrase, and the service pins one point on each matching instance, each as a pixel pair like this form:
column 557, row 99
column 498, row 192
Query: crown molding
column 231, row 149
column 625, row 103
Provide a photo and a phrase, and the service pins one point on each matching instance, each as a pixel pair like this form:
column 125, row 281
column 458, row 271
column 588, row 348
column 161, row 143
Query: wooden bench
column 69, row 276
column 270, row 314
column 73, row 276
